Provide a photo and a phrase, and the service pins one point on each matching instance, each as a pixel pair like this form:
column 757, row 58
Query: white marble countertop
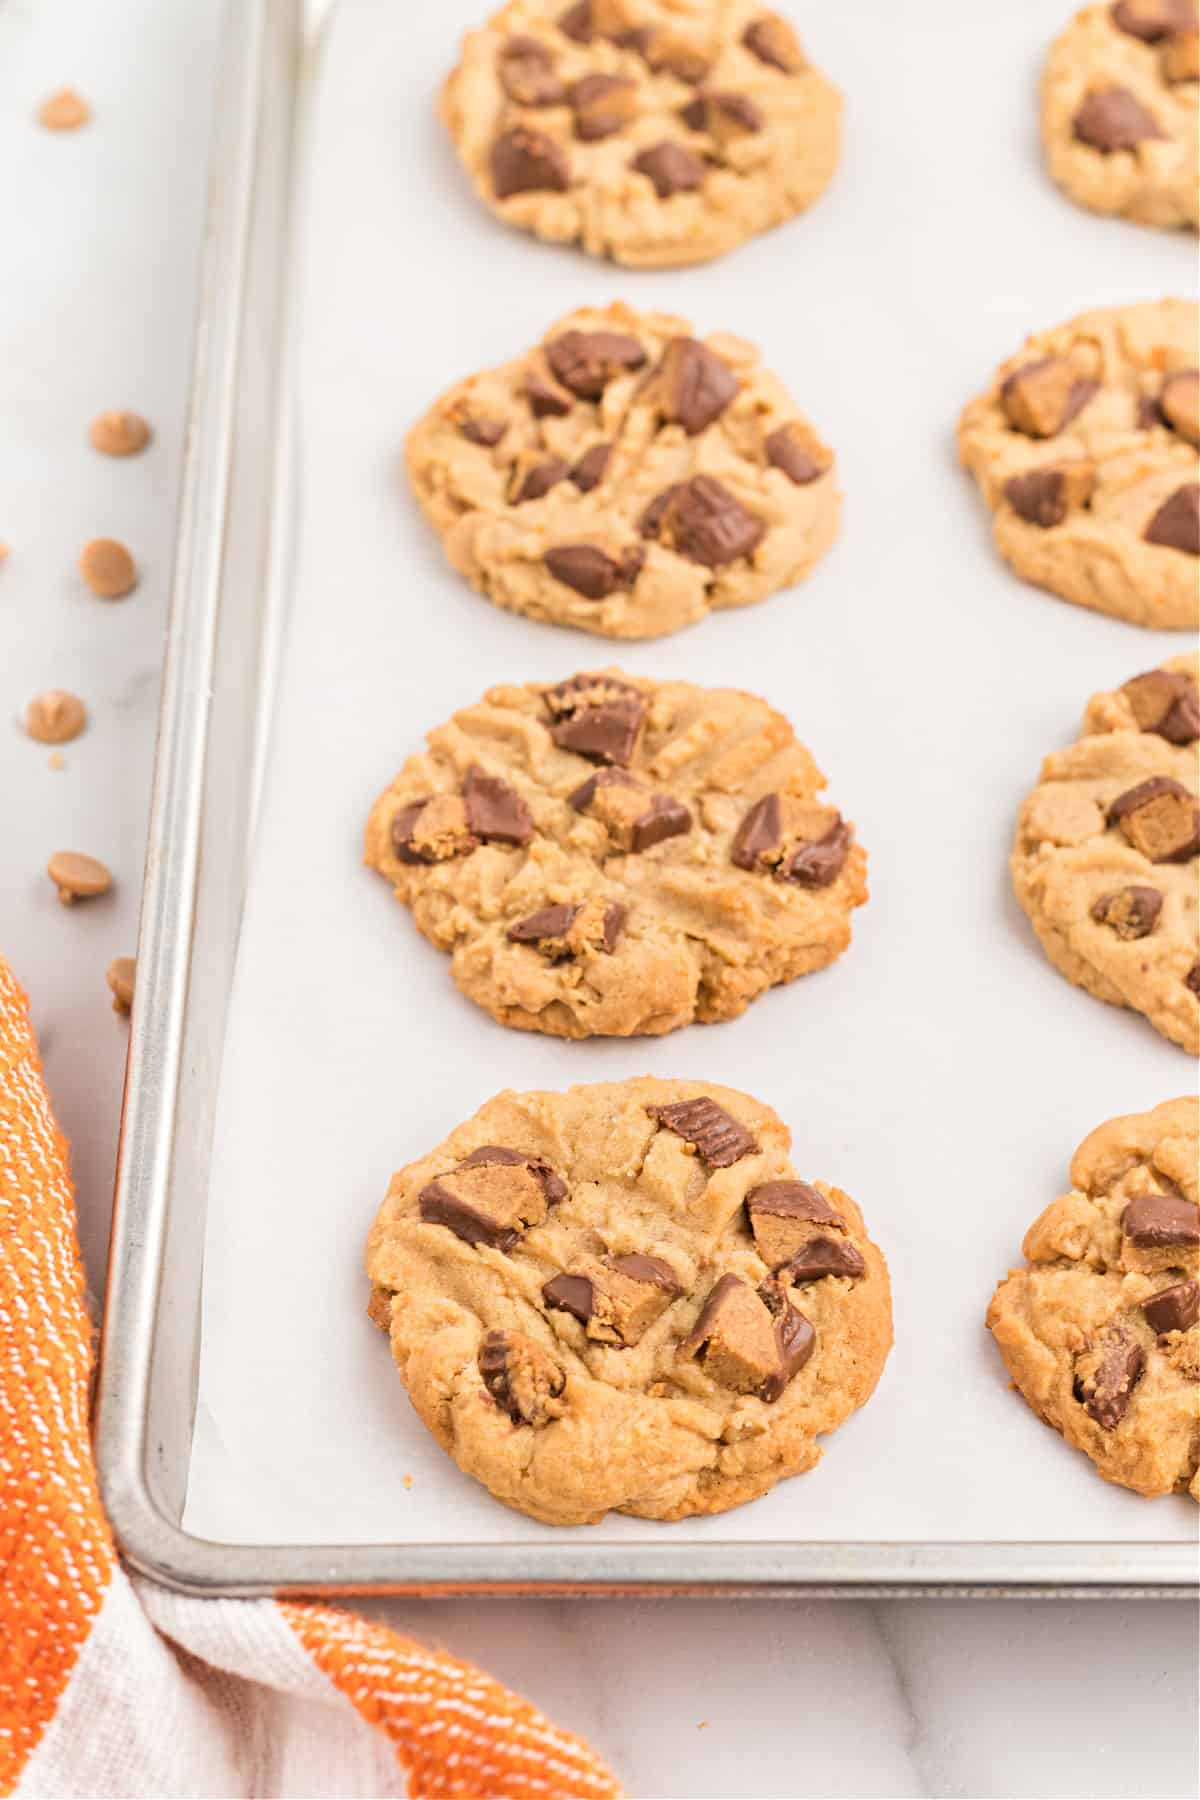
column 752, row 1699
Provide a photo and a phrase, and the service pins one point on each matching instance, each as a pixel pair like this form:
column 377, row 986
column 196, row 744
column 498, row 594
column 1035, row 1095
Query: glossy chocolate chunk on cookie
column 1161, row 1222
column 797, row 841
column 528, row 73
column 617, row 1298
column 1176, row 524
column 752, row 1340
column 565, row 931
column 603, row 105
column 824, row 1255
column 495, row 811
column 1106, row 1376
column 725, row 116
column 492, row 1197
column 715, row 1135
column 1166, row 702
column 1042, row 397
column 591, row 467
column 1174, row 1308
column 1160, row 818
column 781, row 1216
column 772, row 40
column 703, row 522
column 672, row 168
column 591, row 571
column 586, row 361
column 691, row 385
column 525, row 161
column 1115, row 119
column 432, row 831
column 597, row 718
column 1044, row 497
column 522, row 1379
column 1153, row 20
column 798, row 453
column 635, row 817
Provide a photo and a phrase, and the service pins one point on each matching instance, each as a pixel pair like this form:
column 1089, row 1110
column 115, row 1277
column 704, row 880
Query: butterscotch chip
column 119, row 433
column 77, row 877
column 120, row 977
column 583, row 1319
column 1099, row 1330
column 55, row 717
column 108, row 568
column 1107, row 856
column 64, row 111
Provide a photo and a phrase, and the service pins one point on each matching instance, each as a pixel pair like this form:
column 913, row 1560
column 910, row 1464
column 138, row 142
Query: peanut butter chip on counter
column 121, row 974
column 108, row 568
column 64, row 111
column 119, row 433
column 77, row 877
column 55, row 717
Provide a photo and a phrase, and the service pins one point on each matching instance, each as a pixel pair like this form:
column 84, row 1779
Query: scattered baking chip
column 3, row 553
column 108, row 568
column 64, row 111
column 56, row 761
column 55, row 717
column 77, row 877
column 121, row 974
column 119, row 433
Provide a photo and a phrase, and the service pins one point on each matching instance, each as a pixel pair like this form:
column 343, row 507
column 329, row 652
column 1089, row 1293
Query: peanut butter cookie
column 1085, row 448
column 1099, row 1332
column 1119, row 100
column 613, row 856
column 1107, row 857
column 625, row 477
column 655, row 132
column 622, row 1298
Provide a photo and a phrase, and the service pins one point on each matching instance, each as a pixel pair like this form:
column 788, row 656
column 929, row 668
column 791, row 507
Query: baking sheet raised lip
column 186, row 1559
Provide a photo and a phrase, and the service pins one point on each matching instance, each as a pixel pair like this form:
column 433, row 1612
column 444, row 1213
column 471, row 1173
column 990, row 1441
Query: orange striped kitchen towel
column 110, row 1686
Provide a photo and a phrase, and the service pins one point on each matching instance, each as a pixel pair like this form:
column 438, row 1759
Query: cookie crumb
column 108, row 568
column 64, row 111
column 408, row 1481
column 4, row 553
column 77, row 877
column 55, row 717
column 122, row 971
column 119, row 433
column 56, row 760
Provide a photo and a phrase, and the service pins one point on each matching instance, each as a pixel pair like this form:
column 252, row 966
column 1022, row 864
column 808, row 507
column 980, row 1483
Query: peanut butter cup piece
column 1176, row 524
column 716, row 1136
column 525, row 161
column 672, row 168
column 1106, row 1376
column 773, row 41
column 1132, row 912
column 1166, row 702
column 586, row 361
column 1043, row 397
column 527, row 73
column 800, row 455
column 1161, row 1222
column 1174, row 1308
column 1044, row 497
column 1179, row 403
column 491, row 1197
column 603, row 105
column 432, row 831
column 781, row 1216
column 1115, row 119
column 615, row 1298
column 520, row 1377
column 702, row 521
column 1160, row 818
column 692, row 386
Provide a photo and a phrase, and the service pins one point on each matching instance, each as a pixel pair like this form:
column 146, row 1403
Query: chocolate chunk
column 1044, row 497
column 734, row 1338
column 715, row 1135
column 702, row 521
column 591, row 571
column 525, row 161
column 1166, row 702
column 549, row 925
column 1191, row 980
column 1176, row 524
column 1041, row 398
column 576, row 23
column 616, row 1298
column 586, row 361
column 1115, row 120
column 822, row 1256
column 527, row 75
column 780, row 1214
column 534, row 481
column 1161, row 1222
column 545, row 402
column 603, row 104
column 1173, row 1308
column 482, row 431
column 773, row 41
column 1106, row 1377
column 692, row 385
column 570, row 1294
column 605, row 728
column 672, row 169
column 724, row 116
column 495, row 811
column 488, row 1202
column 588, row 472
column 759, row 832
column 553, row 1185
column 1131, row 911
column 1179, row 403
column 585, row 793
column 1153, row 20
column 1160, row 818
column 819, row 864
column 795, row 1339
column 663, row 818
column 798, row 453
column 1179, row 58
column 430, row 831
column 520, row 1377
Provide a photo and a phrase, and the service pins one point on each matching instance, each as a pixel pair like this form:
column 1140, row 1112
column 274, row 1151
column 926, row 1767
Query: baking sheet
column 942, row 1072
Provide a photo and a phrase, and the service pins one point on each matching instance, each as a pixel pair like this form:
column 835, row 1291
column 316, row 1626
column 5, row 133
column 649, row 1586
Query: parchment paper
column 942, row 1072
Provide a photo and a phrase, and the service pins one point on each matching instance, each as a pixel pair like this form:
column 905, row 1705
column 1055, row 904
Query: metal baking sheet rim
column 232, row 546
